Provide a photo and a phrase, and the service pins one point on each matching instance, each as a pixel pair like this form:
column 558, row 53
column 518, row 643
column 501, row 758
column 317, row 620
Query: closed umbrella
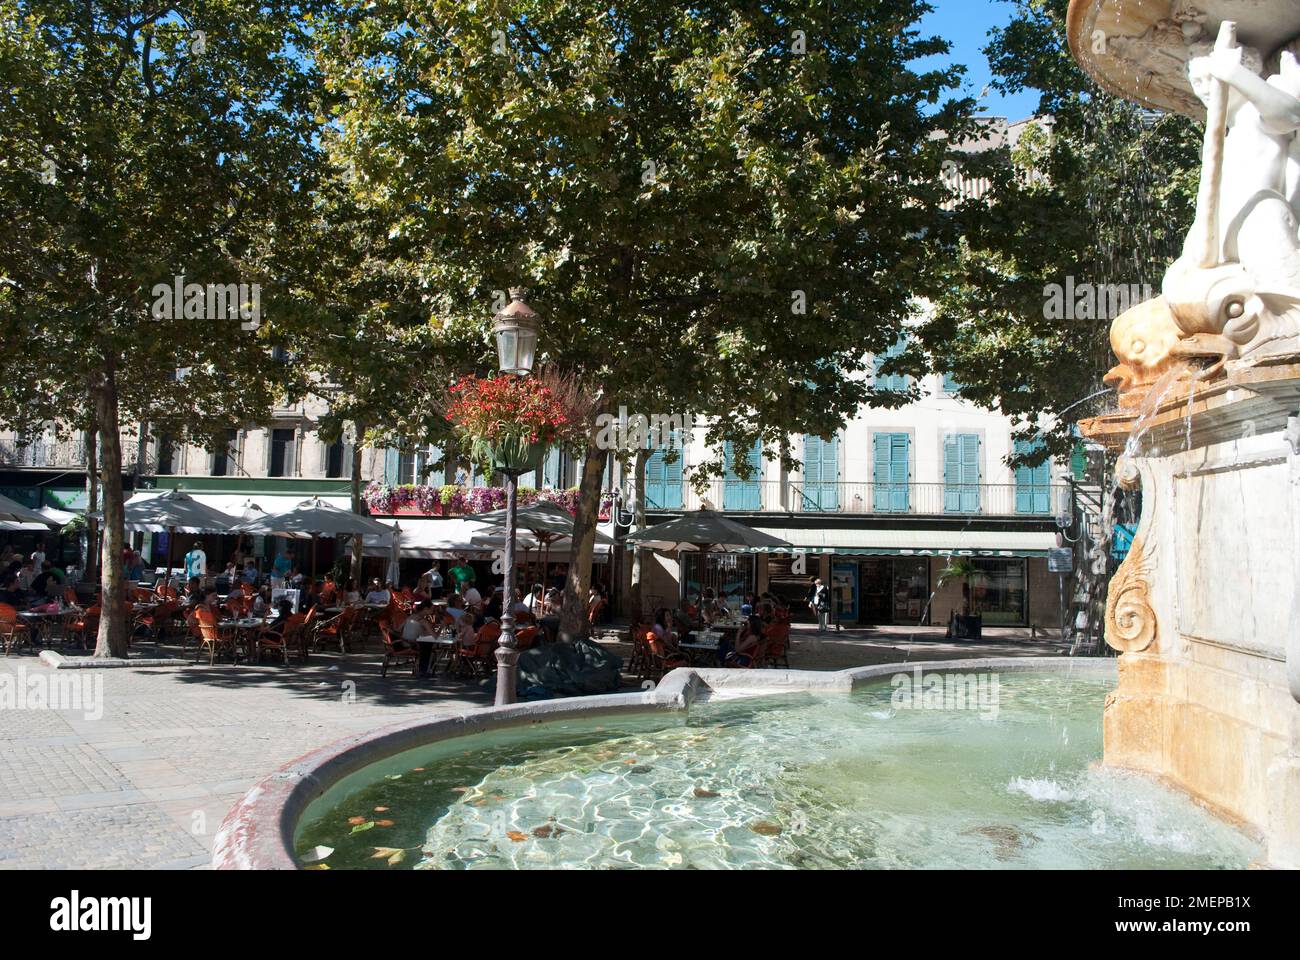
column 395, row 563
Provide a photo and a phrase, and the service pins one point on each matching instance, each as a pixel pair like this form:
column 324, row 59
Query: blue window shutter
column 1033, row 484
column 551, row 469
column 950, row 385
column 663, row 480
column 392, row 460
column 892, row 381
column 951, row 474
column 892, row 472
column 821, row 473
column 738, row 494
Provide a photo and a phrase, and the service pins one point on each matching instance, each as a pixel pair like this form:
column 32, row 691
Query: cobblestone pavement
column 147, row 783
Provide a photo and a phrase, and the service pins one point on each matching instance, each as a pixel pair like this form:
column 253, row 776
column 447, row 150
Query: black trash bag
column 568, row 670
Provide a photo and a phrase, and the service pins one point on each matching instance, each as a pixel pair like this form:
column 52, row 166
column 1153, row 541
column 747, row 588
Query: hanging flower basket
column 506, row 422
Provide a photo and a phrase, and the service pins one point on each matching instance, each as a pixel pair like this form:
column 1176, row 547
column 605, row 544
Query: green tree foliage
column 1103, row 194
column 139, row 142
column 721, row 206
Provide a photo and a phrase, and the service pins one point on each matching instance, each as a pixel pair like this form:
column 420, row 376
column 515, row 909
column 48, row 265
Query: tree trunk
column 573, row 617
column 638, row 523
column 90, row 551
column 112, row 639
column 358, row 543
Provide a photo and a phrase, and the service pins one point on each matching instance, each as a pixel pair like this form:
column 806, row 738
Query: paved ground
column 147, row 783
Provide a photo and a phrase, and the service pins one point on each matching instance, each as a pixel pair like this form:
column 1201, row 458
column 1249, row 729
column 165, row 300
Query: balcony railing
column 915, row 499
column 62, row 455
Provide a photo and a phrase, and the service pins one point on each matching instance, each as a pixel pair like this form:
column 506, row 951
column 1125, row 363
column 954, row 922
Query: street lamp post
column 515, row 328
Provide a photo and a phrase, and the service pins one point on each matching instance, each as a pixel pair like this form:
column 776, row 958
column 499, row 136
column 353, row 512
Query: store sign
column 1060, row 560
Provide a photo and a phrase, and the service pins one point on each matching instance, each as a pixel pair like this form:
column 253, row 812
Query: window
column 1033, row 484
column 166, row 455
column 961, row 473
column 224, row 459
column 338, row 459
column 821, row 474
column 998, row 591
column 282, row 453
column 892, row 381
column 738, row 494
column 950, row 385
column 663, row 480
column 891, row 472
column 406, row 468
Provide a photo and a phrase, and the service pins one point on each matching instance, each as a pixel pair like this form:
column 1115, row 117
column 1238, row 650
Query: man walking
column 819, row 600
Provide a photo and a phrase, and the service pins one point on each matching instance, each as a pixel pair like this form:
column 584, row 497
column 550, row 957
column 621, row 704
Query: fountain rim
column 258, row 832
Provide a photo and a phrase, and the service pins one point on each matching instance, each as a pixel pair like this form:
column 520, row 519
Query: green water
column 780, row 782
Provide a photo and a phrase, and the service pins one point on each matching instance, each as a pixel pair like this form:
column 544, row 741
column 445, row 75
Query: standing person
column 462, row 575
column 38, row 556
column 281, row 568
column 196, row 562
column 433, row 581
column 819, row 599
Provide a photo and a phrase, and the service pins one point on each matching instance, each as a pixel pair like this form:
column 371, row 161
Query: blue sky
column 965, row 25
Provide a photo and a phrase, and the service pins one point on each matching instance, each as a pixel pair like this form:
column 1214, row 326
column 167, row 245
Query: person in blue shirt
column 283, row 564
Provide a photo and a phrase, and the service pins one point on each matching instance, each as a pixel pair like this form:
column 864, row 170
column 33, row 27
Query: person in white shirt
column 433, row 581
column 377, row 595
column 473, row 598
column 196, row 562
column 38, row 557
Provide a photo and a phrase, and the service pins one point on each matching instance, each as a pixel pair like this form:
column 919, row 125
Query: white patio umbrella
column 314, row 519
column 544, row 521
column 172, row 512
column 705, row 531
column 11, row 511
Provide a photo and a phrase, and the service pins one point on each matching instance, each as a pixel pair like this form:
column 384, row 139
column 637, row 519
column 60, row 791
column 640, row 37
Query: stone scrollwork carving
column 1130, row 619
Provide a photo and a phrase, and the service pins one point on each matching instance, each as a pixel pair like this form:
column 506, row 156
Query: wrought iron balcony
column 914, row 499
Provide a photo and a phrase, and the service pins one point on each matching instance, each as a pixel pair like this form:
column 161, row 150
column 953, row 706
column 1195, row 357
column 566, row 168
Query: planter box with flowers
column 455, row 500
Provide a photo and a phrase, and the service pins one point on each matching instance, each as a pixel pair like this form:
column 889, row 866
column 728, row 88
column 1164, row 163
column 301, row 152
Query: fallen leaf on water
column 543, row 832
column 479, row 802
column 381, row 809
column 368, row 825
column 460, row 789
column 318, row 866
column 393, row 776
column 316, row 854
column 642, row 768
column 498, row 796
column 417, row 769
column 766, row 828
column 394, row 855
column 384, row 823
column 516, row 836
column 703, row 794
column 355, row 820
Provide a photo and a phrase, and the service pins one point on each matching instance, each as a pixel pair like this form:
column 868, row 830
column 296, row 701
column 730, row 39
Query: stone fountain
column 1205, row 610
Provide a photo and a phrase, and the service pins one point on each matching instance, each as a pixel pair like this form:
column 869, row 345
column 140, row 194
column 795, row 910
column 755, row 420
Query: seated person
column 351, row 595
column 421, row 623
column 250, row 572
column 377, row 594
column 275, row 626
column 663, row 629
column 11, row 593
column 747, row 643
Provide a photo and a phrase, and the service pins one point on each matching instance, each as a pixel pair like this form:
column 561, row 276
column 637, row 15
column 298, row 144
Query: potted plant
column 967, row 625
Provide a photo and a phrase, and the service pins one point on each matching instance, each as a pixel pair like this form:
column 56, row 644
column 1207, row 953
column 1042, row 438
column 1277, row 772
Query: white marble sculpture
column 1235, row 291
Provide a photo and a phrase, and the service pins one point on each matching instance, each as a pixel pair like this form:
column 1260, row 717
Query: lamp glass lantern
column 515, row 328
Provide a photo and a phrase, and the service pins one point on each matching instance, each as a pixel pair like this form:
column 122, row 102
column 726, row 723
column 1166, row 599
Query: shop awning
column 446, row 538
column 886, row 542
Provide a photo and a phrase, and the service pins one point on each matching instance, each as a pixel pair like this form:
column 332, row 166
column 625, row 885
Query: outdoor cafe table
column 243, row 632
column 703, row 650
column 431, row 646
column 40, row 622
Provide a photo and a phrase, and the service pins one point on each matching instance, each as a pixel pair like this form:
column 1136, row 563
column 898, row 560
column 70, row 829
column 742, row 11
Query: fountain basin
column 829, row 770
column 1138, row 49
